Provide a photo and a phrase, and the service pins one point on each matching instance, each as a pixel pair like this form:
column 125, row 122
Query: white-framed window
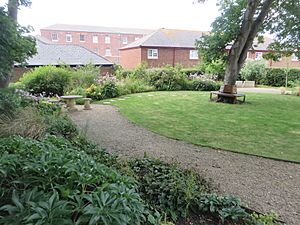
column 294, row 57
column 81, row 37
column 136, row 38
column 152, row 53
column 194, row 54
column 54, row 37
column 68, row 37
column 107, row 40
column 258, row 55
column 107, row 52
column 95, row 39
column 124, row 40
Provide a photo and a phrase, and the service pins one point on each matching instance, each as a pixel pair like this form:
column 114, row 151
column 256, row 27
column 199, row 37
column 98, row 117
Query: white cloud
column 151, row 14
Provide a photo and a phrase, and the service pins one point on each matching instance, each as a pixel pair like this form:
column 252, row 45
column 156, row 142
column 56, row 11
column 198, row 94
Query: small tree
column 254, row 70
column 14, row 46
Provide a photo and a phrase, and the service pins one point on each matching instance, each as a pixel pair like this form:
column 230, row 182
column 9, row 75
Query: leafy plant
column 264, row 219
column 254, row 71
column 49, row 80
column 166, row 187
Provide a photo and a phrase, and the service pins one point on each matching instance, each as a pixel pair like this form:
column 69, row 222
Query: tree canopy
column 15, row 47
column 241, row 21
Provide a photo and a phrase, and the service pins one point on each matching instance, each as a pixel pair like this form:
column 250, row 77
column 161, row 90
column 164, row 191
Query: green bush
column 109, row 90
column 83, row 77
column 49, row 80
column 58, row 182
column 254, row 71
column 167, row 79
column 166, row 187
column 203, row 85
column 277, row 76
column 131, row 85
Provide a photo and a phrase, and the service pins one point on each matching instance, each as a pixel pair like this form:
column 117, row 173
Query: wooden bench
column 218, row 93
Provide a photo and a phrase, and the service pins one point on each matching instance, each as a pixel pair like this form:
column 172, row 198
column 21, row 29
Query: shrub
column 167, row 79
column 49, row 80
column 27, row 122
column 58, row 182
column 109, row 90
column 166, row 187
column 94, row 92
column 277, row 76
column 9, row 101
column 254, row 71
column 83, row 77
column 203, row 85
column 131, row 85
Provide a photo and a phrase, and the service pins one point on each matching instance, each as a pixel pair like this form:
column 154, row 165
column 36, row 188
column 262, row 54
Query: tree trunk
column 12, row 11
column 238, row 52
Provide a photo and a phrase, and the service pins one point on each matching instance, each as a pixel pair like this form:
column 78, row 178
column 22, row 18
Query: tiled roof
column 57, row 54
column 84, row 28
column 168, row 38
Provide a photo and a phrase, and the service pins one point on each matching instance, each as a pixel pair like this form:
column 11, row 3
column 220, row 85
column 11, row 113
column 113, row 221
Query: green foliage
column 9, row 101
column 226, row 208
column 167, row 79
column 254, row 71
column 83, row 77
column 14, row 46
column 203, row 85
column 264, row 219
column 166, row 187
column 50, row 80
column 71, row 185
column 109, row 90
column 215, row 68
column 276, row 77
column 131, row 85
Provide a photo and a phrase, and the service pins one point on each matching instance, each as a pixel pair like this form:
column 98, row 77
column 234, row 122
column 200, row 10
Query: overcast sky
column 151, row 14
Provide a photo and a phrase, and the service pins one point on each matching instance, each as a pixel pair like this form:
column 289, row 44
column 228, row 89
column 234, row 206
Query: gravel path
column 263, row 184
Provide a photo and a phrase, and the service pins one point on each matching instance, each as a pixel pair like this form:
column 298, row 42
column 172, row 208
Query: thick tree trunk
column 249, row 29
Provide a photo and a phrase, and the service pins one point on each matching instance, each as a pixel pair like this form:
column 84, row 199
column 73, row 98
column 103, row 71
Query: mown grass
column 266, row 125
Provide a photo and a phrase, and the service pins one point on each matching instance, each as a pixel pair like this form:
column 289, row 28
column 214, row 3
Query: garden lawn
column 266, row 125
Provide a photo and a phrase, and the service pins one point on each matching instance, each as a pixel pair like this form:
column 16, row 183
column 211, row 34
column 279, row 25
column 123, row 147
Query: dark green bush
column 9, row 101
column 277, row 76
column 203, row 85
column 109, row 90
column 58, row 182
column 167, row 79
column 166, row 187
column 49, row 80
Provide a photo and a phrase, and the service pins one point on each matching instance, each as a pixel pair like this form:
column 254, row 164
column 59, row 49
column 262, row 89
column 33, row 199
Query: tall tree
column 14, row 46
column 240, row 22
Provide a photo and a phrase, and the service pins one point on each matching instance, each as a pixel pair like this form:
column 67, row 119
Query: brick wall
column 130, row 58
column 116, row 41
column 169, row 56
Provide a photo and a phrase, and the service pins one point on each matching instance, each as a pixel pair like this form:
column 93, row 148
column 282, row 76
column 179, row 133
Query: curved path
column 263, row 184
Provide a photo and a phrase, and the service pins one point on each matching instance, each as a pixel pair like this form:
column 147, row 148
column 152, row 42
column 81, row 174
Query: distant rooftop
column 57, row 54
column 85, row 28
column 168, row 38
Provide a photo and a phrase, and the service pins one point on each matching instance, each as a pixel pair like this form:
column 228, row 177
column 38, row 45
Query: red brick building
column 171, row 47
column 162, row 47
column 105, row 41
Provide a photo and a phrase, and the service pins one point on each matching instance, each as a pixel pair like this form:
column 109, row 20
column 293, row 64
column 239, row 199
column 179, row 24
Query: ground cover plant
column 59, row 177
column 266, row 125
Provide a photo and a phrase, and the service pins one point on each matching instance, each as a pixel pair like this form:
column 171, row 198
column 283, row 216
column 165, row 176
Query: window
column 81, row 38
column 54, row 37
column 107, row 40
column 294, row 57
column 124, row 40
column 258, row 55
column 194, row 54
column 95, row 39
column 68, row 38
column 152, row 54
column 107, row 52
